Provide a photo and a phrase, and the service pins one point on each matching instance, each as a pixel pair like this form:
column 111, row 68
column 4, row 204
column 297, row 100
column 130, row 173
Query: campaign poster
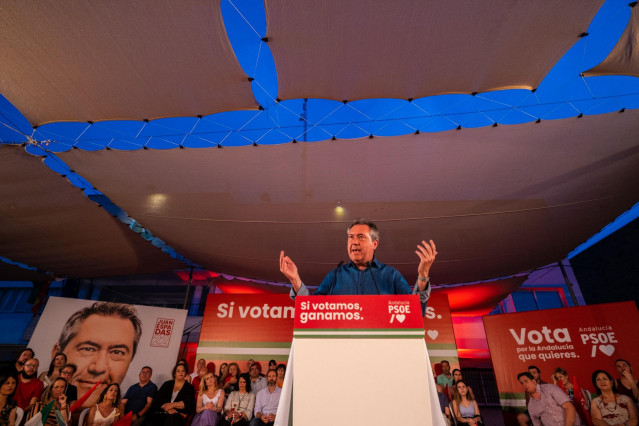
column 236, row 328
column 580, row 340
column 438, row 332
column 108, row 342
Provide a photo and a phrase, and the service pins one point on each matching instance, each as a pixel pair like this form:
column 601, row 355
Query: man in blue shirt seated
column 364, row 274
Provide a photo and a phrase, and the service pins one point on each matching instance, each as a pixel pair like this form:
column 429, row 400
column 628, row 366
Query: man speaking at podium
column 364, row 274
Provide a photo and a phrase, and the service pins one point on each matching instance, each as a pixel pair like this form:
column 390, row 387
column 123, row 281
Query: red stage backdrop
column 580, row 340
column 440, row 337
column 237, row 327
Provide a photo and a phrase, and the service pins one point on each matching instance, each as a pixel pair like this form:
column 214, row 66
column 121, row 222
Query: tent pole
column 568, row 283
column 188, row 287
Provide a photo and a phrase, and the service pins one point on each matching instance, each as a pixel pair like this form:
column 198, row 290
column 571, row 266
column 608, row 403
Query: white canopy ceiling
column 380, row 49
column 78, row 61
column 496, row 200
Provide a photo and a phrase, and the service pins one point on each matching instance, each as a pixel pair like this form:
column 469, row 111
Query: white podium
column 359, row 360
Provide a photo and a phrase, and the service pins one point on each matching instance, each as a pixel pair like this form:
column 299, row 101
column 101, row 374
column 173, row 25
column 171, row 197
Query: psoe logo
column 398, row 311
column 558, row 335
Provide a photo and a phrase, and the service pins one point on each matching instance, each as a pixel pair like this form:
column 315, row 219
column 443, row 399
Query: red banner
column 358, row 312
column 579, row 340
column 439, row 334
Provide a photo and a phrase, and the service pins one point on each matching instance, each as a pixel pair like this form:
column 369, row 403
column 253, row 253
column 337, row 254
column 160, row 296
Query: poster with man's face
column 108, row 342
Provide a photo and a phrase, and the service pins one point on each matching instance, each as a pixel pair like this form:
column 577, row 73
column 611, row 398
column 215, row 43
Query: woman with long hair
column 465, row 407
column 238, row 409
column 224, row 371
column 58, row 361
column 230, row 382
column 457, row 376
column 8, row 405
column 210, row 402
column 175, row 400
column 106, row 411
column 610, row 408
column 56, row 394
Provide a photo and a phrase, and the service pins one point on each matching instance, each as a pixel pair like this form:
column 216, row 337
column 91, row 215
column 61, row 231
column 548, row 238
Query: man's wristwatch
column 427, row 279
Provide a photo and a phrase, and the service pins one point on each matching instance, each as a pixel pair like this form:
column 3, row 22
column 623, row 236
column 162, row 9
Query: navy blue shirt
column 377, row 278
column 136, row 396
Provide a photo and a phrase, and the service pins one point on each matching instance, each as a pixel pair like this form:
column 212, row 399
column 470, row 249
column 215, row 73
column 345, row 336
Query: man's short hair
column 534, row 367
column 525, row 373
column 105, row 309
column 444, row 361
column 374, row 232
column 146, row 366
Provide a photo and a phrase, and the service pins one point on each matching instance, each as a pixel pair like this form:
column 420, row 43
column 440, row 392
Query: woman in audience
column 272, row 365
column 210, row 402
column 58, row 361
column 281, row 371
column 626, row 384
column 8, row 383
column 560, row 377
column 224, row 371
column 238, row 409
column 465, row 407
column 105, row 412
column 230, row 383
column 56, row 394
column 610, row 408
column 174, row 402
column 457, row 376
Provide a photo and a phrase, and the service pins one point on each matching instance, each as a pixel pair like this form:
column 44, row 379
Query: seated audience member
column 266, row 401
column 230, row 382
column 210, row 402
column 281, row 371
column 536, row 373
column 457, row 376
column 256, row 381
column 445, row 380
column 465, row 408
column 139, row 397
column 71, row 391
column 246, row 374
column 443, row 404
column 573, row 391
column 106, row 411
column 58, row 361
column 238, row 408
column 198, row 379
column 224, row 371
column 610, row 408
column 60, row 404
column 8, row 405
column 183, row 362
column 24, row 356
column 548, row 404
column 272, row 365
column 29, row 388
column 174, row 402
column 626, row 383
column 201, row 363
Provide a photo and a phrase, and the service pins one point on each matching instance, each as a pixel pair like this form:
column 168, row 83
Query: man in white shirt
column 266, row 402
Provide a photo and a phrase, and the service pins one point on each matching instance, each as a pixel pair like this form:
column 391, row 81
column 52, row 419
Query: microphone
column 368, row 265
column 341, row 262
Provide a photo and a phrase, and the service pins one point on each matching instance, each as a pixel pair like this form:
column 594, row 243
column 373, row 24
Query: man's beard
column 271, row 383
column 28, row 376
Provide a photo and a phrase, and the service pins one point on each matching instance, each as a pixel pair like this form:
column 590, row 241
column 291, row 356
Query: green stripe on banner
column 435, row 346
column 226, row 344
column 398, row 330
column 437, row 359
column 357, row 336
column 240, row 357
column 512, row 395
